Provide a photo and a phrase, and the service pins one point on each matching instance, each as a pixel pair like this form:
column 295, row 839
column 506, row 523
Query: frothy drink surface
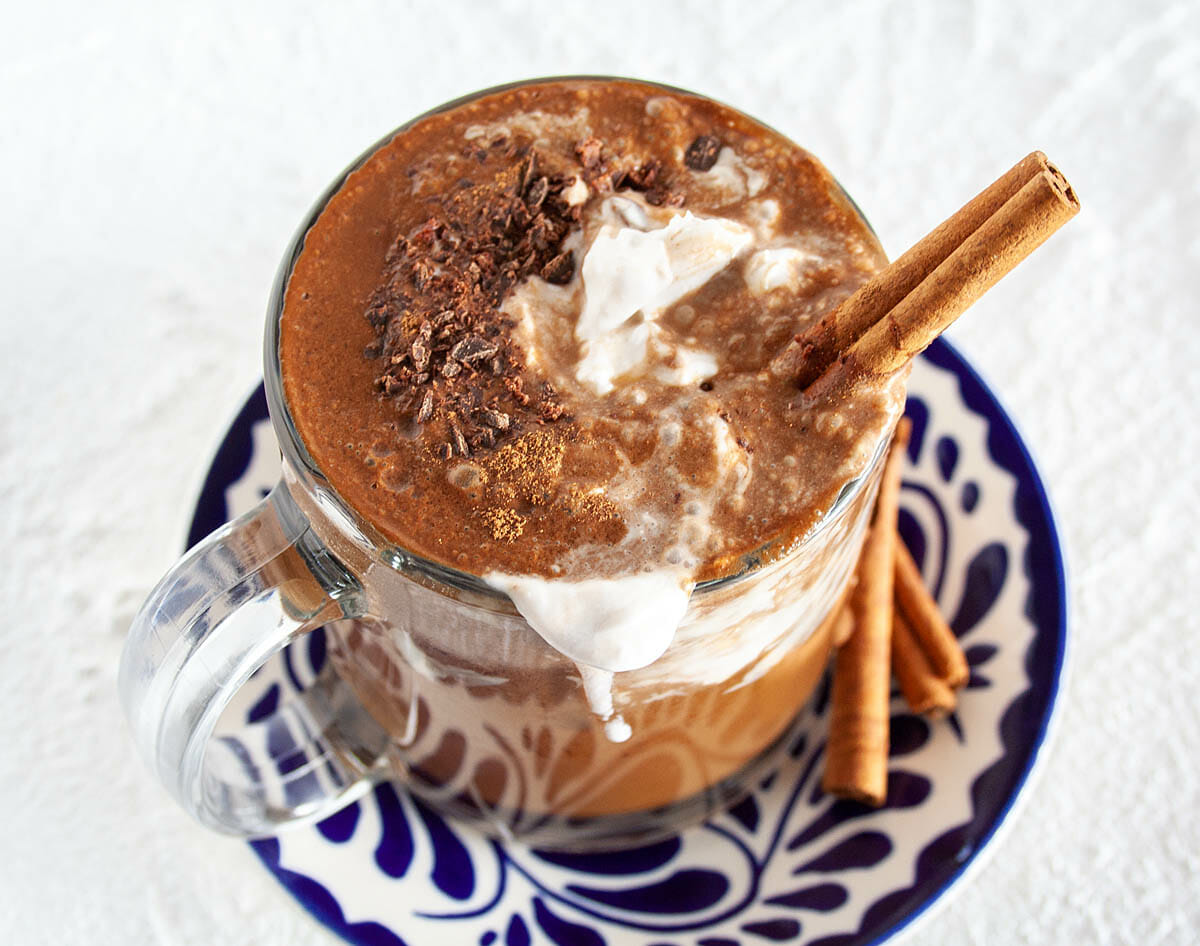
column 530, row 338
column 531, row 335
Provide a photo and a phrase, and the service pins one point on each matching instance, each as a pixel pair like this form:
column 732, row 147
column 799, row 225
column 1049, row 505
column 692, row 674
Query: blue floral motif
column 687, row 891
column 746, row 813
column 517, row 933
column 563, row 932
column 775, row 930
column 453, row 873
column 985, row 579
column 822, row 897
column 339, row 827
column 265, row 706
column 638, row 860
column 394, row 852
column 787, row 863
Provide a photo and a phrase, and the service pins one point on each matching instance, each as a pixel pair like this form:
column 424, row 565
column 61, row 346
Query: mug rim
column 298, row 459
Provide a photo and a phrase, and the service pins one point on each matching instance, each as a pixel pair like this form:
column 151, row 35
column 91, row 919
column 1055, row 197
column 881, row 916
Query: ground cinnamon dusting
column 522, row 473
column 591, row 505
column 506, row 524
column 526, row 473
column 527, row 468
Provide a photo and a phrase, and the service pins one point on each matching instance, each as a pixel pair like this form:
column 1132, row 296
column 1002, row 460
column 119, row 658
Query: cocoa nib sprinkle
column 444, row 346
column 702, row 153
column 446, row 353
column 559, row 270
column 604, row 172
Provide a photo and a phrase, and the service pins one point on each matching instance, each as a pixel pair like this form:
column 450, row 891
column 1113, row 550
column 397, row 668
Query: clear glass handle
column 237, row 599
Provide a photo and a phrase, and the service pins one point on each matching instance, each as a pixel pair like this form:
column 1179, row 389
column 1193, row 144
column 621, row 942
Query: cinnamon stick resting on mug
column 856, row 757
column 892, row 318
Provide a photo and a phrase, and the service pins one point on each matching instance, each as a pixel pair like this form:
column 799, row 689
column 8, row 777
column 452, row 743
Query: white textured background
column 154, row 162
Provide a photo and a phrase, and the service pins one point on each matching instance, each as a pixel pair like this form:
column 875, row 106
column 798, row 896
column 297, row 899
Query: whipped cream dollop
column 731, row 177
column 636, row 267
column 776, row 268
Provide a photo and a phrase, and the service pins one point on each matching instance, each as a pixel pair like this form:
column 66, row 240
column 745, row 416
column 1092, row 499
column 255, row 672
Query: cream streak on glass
column 605, row 625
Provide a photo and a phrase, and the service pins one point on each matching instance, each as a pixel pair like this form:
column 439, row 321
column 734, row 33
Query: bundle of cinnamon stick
column 891, row 624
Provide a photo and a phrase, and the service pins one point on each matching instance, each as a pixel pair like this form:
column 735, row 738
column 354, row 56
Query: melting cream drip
column 605, row 625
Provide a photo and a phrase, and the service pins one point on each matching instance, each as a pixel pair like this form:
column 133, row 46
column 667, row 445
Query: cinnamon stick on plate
column 903, row 308
column 856, row 757
column 924, row 691
column 872, row 335
column 929, row 628
column 843, row 624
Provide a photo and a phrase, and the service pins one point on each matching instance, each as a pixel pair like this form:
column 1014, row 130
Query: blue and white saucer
column 788, row 864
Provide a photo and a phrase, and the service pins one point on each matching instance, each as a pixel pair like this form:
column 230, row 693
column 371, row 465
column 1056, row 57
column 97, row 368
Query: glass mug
column 434, row 679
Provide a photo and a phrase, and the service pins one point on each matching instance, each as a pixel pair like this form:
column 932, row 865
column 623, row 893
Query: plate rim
column 235, row 452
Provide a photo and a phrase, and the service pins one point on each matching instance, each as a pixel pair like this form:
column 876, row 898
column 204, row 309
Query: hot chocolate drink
column 529, row 339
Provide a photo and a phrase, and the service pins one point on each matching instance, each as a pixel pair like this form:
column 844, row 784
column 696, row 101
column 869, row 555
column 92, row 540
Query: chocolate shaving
column 426, row 410
column 529, row 170
column 496, row 419
column 560, row 269
column 448, row 358
column 642, row 178
column 456, row 436
column 647, row 178
column 702, row 153
column 474, row 348
column 551, row 410
column 517, row 389
column 537, row 193
column 589, row 152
